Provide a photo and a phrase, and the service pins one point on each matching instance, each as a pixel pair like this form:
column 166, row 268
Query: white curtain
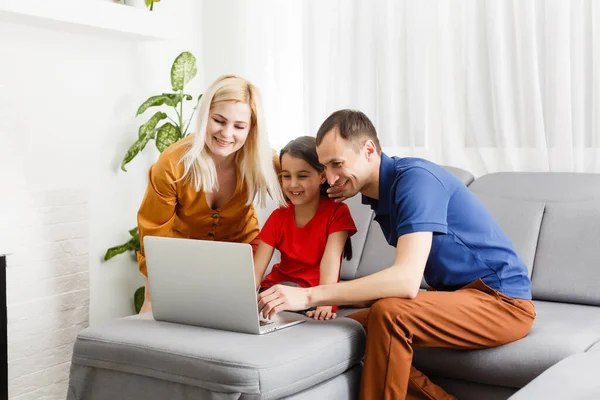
column 483, row 85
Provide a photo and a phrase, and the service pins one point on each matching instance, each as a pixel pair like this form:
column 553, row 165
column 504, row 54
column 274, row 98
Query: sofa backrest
column 553, row 220
column 371, row 251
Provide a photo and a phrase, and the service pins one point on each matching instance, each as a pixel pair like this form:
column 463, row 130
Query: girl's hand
column 322, row 313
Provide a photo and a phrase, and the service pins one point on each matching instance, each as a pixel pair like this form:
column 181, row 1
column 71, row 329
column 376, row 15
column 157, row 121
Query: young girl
column 312, row 233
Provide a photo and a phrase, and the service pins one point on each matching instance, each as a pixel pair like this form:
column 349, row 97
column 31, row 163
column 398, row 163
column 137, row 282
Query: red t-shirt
column 302, row 248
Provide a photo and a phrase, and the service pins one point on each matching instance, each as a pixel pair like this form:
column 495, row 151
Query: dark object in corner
column 3, row 323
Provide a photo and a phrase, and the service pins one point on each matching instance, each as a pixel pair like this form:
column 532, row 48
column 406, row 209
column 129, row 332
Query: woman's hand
column 322, row 313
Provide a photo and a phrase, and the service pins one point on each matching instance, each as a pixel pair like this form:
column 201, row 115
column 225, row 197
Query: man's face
column 346, row 167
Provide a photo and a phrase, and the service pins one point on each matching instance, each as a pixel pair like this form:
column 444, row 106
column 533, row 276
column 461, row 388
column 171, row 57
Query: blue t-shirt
column 416, row 195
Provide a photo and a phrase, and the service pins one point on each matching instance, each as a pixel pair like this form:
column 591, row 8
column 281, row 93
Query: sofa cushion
column 520, row 220
column 377, row 253
column 362, row 215
column 540, row 186
column 559, row 330
column 567, row 265
column 267, row 366
column 575, row 377
column 595, row 347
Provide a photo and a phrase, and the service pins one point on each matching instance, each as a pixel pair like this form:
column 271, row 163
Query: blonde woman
column 204, row 186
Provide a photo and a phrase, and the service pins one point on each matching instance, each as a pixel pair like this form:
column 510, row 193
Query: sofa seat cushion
column 595, row 347
column 268, row 366
column 575, row 377
column 559, row 330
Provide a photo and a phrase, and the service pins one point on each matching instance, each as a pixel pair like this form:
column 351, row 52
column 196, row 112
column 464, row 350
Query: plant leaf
column 146, row 139
column 151, row 124
column 183, row 70
column 166, row 136
column 170, row 99
column 134, row 243
column 114, row 251
column 131, row 153
column 138, row 298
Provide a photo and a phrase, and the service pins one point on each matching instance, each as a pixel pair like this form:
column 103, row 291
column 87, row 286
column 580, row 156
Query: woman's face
column 227, row 127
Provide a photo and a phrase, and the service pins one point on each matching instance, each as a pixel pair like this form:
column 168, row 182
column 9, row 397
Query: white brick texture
column 47, row 291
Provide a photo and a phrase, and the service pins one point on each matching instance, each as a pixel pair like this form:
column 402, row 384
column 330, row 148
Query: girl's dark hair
column 305, row 148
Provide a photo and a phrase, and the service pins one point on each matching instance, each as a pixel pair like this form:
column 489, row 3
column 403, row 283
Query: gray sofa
column 554, row 222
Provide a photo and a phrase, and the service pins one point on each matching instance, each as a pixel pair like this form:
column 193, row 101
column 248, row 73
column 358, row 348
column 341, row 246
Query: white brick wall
column 47, row 290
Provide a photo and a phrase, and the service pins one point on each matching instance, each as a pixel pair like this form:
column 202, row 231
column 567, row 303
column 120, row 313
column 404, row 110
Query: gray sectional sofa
column 554, row 222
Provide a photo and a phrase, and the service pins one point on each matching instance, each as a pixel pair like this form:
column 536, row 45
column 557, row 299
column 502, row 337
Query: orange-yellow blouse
column 174, row 208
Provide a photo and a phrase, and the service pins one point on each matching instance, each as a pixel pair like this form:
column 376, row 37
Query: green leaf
column 115, row 251
column 131, row 153
column 151, row 124
column 166, row 136
column 170, row 99
column 183, row 70
column 138, row 298
column 146, row 139
column 134, row 243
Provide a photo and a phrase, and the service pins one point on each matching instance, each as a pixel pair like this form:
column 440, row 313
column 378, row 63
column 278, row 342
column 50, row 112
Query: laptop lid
column 202, row 283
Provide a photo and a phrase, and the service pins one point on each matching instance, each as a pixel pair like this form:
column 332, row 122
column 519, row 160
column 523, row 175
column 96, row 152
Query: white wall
column 66, row 119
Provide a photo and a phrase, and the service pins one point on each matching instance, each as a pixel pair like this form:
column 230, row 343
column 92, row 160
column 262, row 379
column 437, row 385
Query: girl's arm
column 330, row 270
column 331, row 261
column 262, row 258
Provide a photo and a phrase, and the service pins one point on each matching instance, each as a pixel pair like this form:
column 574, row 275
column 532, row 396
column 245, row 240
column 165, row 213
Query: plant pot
column 137, row 4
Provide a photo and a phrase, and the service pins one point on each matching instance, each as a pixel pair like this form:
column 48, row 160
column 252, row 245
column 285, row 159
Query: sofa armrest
column 575, row 377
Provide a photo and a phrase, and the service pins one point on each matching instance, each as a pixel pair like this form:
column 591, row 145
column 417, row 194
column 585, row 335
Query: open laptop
column 207, row 283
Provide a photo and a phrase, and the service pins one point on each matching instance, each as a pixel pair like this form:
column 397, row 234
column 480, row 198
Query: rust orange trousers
column 473, row 317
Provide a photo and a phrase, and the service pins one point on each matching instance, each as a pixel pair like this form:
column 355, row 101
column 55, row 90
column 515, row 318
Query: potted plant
column 138, row 3
column 165, row 127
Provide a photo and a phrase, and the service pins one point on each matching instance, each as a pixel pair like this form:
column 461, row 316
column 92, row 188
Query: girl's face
column 300, row 181
column 227, row 127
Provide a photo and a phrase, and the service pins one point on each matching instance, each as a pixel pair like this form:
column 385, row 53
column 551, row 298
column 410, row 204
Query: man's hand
column 282, row 298
column 322, row 313
column 335, row 193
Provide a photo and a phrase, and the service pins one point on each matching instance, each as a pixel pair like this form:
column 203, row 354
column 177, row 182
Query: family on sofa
column 203, row 187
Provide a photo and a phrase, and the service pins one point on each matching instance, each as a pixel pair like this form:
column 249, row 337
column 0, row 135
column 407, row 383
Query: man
column 482, row 295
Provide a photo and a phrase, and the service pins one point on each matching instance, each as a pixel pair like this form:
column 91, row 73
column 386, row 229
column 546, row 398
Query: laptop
column 207, row 283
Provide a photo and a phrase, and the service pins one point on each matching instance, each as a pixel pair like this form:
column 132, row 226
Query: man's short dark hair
column 352, row 125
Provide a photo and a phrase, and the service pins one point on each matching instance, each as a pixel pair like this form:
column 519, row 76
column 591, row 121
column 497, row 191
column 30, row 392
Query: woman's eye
column 219, row 121
column 239, row 127
column 285, row 177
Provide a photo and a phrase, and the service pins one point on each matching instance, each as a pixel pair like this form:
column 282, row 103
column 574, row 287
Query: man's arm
column 402, row 279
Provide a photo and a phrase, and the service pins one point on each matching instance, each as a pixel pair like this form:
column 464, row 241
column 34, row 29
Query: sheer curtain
column 483, row 85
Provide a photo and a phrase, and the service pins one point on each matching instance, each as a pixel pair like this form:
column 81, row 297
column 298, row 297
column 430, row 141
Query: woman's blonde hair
column 254, row 159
